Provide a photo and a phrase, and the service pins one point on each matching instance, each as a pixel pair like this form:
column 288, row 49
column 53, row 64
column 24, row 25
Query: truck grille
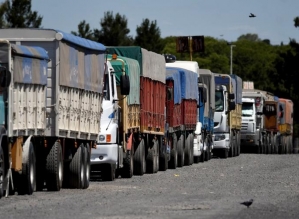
column 244, row 127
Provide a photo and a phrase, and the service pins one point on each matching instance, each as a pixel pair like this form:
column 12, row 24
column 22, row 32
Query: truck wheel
column 191, row 149
column 76, row 169
column 187, row 152
column 139, row 159
column 86, row 166
column 157, row 156
column 2, row 172
column 108, row 172
column 127, row 170
column 202, row 156
column 54, row 168
column 150, row 160
column 173, row 154
column 27, row 182
column 232, row 145
column 207, row 154
column 181, row 154
column 163, row 162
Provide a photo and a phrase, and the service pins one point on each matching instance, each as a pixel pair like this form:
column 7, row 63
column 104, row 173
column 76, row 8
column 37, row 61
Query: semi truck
column 260, row 131
column 141, row 124
column 181, row 114
column 228, row 115
column 52, row 108
column 203, row 133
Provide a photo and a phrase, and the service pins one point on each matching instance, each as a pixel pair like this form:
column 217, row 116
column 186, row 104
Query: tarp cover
column 152, row 64
column 239, row 90
column 174, row 75
column 207, row 77
column 30, row 64
column 132, row 69
column 80, row 67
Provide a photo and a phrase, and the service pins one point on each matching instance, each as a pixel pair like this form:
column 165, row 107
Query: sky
column 221, row 19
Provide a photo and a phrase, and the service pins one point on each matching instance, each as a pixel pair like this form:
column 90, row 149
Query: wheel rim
column 60, row 171
column 31, row 176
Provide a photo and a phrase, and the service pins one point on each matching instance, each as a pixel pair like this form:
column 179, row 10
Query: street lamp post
column 231, row 58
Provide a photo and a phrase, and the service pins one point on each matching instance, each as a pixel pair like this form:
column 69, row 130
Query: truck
column 138, row 132
column 228, row 115
column 52, row 108
column 181, row 114
column 260, row 130
column 285, row 125
column 204, row 130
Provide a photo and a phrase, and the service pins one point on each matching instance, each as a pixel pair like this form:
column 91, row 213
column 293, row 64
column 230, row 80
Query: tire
column 191, row 149
column 27, row 182
column 202, row 156
column 54, row 168
column 108, row 172
column 139, row 159
column 232, row 145
column 76, row 169
column 225, row 154
column 163, row 162
column 2, row 172
column 157, row 155
column 187, row 151
column 172, row 164
column 86, row 166
column 207, row 152
column 127, row 170
column 181, row 154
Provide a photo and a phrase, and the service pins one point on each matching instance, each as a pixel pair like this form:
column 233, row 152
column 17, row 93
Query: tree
column 250, row 37
column 17, row 13
column 84, row 31
column 149, row 36
column 296, row 21
column 114, row 30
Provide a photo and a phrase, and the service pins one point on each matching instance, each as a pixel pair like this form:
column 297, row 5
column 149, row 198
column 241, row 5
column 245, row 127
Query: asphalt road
column 213, row 189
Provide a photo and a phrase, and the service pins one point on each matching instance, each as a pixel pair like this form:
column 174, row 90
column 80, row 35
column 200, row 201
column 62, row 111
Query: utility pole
column 231, row 58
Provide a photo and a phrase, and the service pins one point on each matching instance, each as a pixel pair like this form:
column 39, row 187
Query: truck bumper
column 221, row 141
column 104, row 154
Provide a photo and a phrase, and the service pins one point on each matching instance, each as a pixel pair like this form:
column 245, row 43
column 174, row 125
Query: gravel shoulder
column 213, row 189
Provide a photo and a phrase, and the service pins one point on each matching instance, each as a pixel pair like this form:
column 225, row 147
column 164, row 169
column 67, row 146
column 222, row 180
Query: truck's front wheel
column 139, row 159
column 2, row 171
column 127, row 170
column 173, row 153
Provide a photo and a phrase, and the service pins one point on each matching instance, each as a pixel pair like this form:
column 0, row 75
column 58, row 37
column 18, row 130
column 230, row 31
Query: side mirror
column 231, row 96
column 124, row 85
column 259, row 113
column 5, row 77
column 231, row 105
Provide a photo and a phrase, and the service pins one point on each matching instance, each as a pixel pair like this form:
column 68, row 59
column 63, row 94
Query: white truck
column 53, row 109
column 132, row 131
column 227, row 118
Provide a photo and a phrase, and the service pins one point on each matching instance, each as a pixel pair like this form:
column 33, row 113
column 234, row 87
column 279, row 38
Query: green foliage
column 114, row 31
column 84, row 31
column 149, row 36
column 18, row 14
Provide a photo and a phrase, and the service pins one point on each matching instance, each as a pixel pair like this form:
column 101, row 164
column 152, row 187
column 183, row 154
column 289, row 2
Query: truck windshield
column 247, row 109
column 219, row 107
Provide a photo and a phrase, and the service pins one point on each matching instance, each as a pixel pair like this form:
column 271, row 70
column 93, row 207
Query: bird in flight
column 252, row 15
column 247, row 203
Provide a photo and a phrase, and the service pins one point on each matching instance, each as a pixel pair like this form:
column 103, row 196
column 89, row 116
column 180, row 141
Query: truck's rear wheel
column 127, row 170
column 54, row 168
column 232, row 146
column 86, row 166
column 191, row 139
column 187, row 151
column 76, row 169
column 2, row 172
column 108, row 172
column 27, row 182
column 163, row 162
column 139, row 159
column 173, row 153
column 181, row 154
column 157, row 155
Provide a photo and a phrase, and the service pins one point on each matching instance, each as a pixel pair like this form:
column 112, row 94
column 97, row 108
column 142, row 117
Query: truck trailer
column 181, row 114
column 52, row 109
column 228, row 115
column 203, row 133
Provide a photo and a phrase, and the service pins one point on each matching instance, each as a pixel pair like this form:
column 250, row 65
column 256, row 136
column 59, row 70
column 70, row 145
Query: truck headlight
column 102, row 138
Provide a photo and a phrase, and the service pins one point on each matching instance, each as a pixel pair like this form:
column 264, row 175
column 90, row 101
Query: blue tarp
column 88, row 44
column 32, row 51
column 174, row 75
column 189, row 85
